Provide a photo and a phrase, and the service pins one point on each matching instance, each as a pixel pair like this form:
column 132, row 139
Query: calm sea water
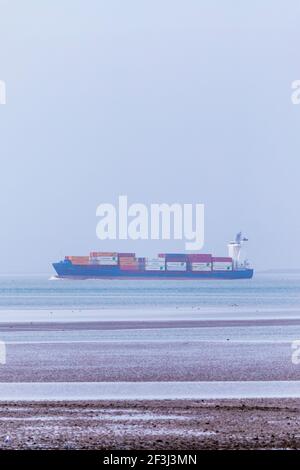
column 280, row 290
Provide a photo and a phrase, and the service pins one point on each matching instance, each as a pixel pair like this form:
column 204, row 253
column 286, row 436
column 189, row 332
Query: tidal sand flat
column 171, row 366
column 149, row 346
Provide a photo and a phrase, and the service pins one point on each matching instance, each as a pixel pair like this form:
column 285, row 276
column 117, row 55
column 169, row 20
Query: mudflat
column 152, row 424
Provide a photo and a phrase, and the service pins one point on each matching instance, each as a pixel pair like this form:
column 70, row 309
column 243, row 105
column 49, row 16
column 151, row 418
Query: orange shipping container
column 79, row 259
column 128, row 262
column 80, row 263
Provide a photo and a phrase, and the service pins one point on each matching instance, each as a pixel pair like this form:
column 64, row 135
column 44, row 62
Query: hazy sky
column 164, row 101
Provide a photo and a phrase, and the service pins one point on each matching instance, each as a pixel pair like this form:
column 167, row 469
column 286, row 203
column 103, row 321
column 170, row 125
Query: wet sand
column 145, row 361
column 168, row 425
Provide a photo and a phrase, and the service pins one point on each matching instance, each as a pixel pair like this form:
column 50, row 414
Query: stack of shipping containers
column 128, row 262
column 141, row 263
column 199, row 262
column 155, row 264
column 164, row 262
column 222, row 264
column 176, row 262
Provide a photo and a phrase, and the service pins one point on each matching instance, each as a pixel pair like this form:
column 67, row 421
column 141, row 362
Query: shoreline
column 141, row 391
column 141, row 314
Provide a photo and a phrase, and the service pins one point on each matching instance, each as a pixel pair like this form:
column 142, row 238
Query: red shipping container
column 200, row 258
column 175, row 259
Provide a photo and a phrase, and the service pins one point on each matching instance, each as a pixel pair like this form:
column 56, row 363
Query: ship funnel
column 234, row 249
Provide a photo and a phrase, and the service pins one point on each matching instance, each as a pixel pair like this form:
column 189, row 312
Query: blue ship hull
column 67, row 270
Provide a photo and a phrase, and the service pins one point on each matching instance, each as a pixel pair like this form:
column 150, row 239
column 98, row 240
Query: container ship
column 113, row 265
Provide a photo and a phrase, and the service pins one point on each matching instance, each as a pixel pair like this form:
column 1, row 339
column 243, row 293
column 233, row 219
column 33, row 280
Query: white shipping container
column 155, row 267
column 201, row 266
column 176, row 263
column 155, row 264
column 104, row 256
column 155, row 261
column 222, row 266
column 176, row 266
column 108, row 262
